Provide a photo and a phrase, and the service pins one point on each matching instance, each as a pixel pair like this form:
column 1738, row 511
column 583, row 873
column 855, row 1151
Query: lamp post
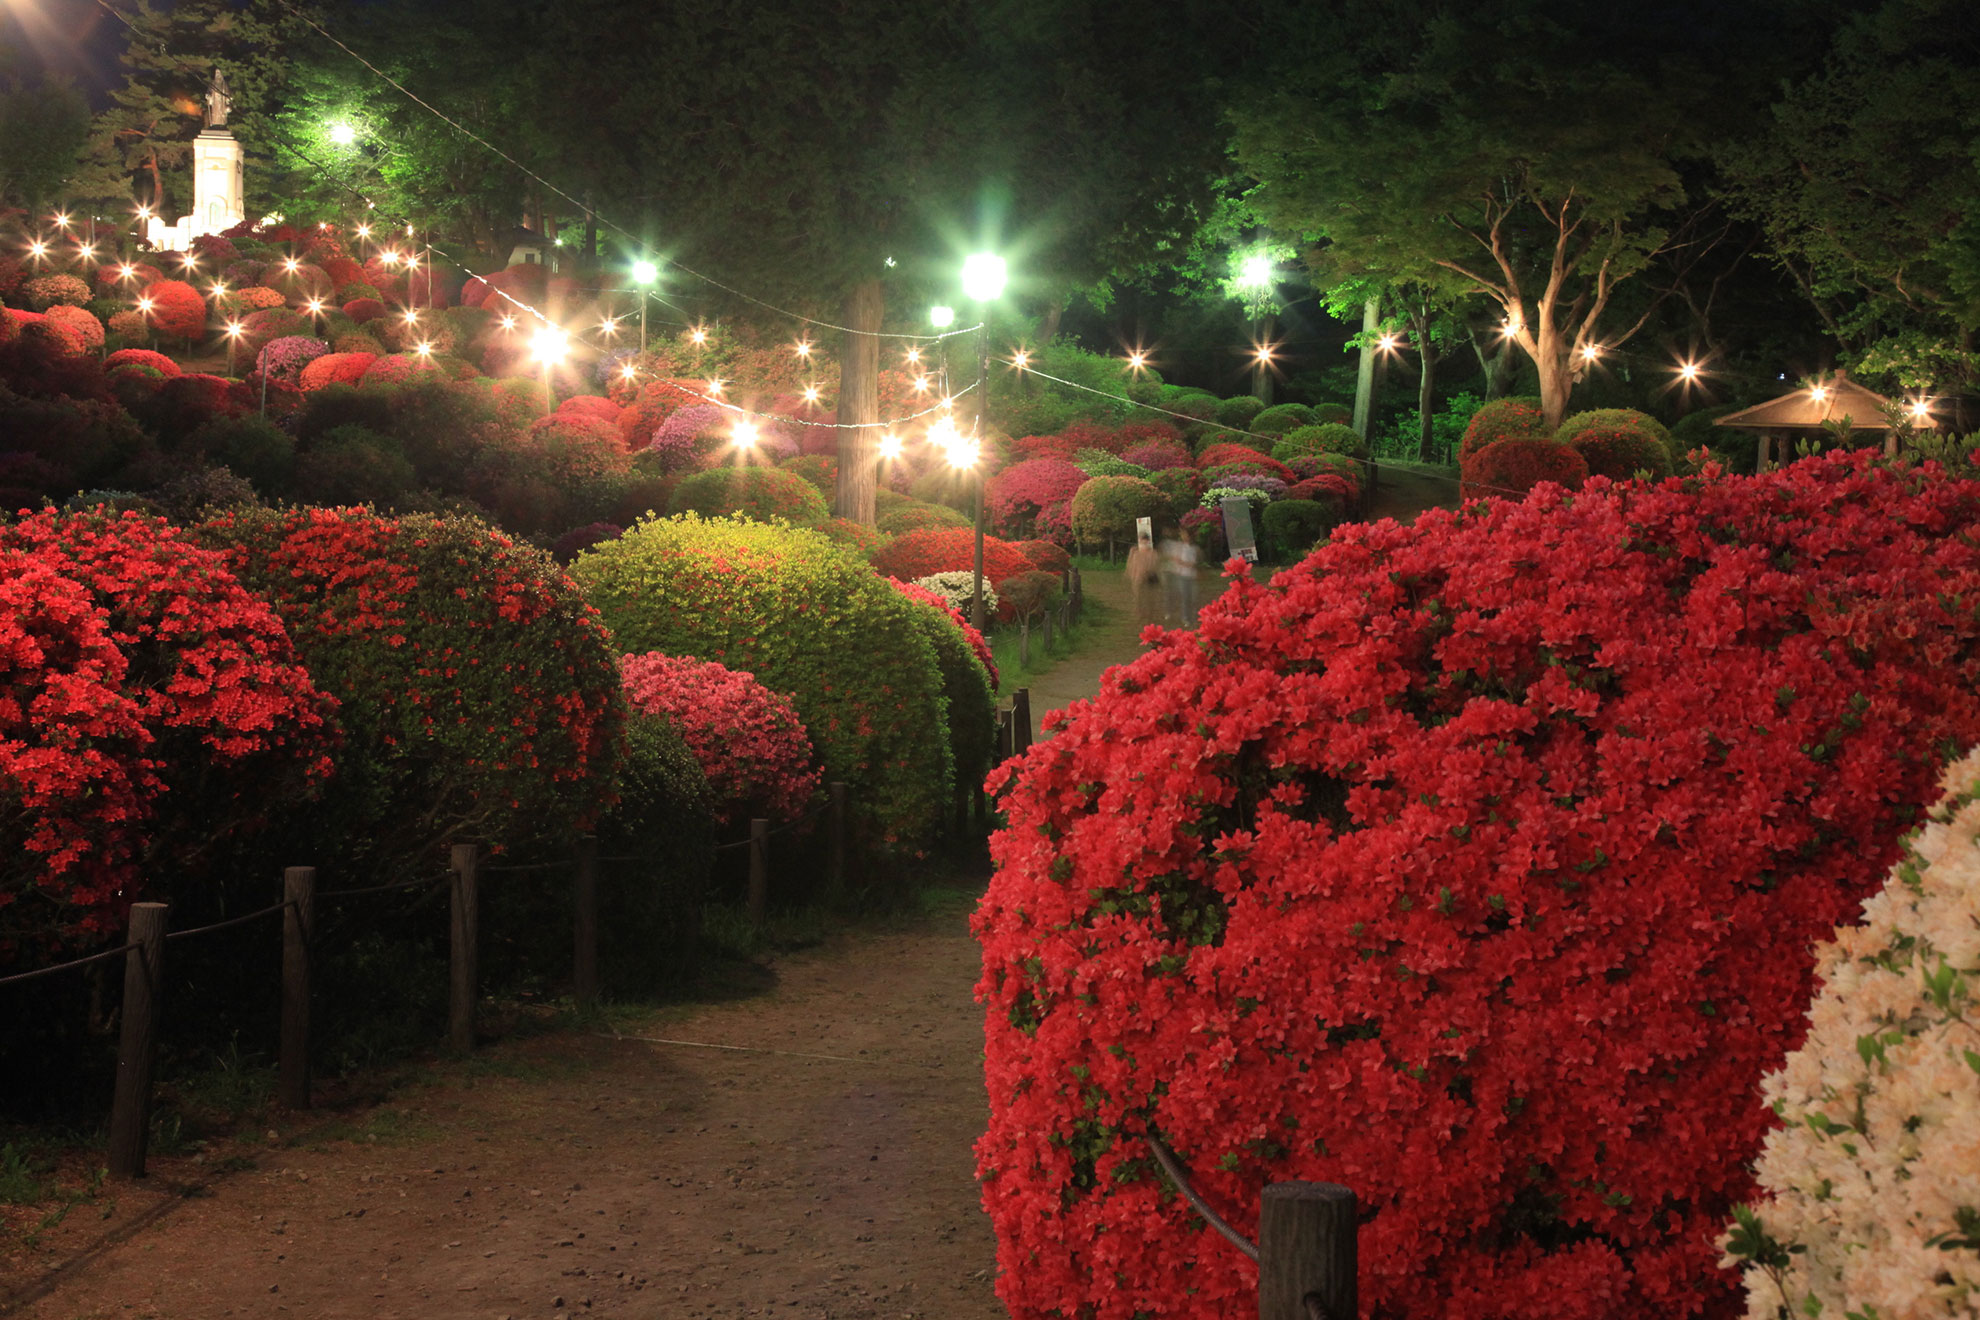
column 643, row 273
column 1256, row 277
column 983, row 276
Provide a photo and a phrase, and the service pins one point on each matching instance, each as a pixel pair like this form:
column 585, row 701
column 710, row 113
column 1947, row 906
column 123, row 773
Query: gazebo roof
column 1831, row 399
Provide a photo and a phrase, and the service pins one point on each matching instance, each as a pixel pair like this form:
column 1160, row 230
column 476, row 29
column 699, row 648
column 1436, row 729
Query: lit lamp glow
column 1020, row 359
column 1137, row 360
column 233, row 333
column 1387, row 343
column 61, row 219
column 343, row 134
column 715, row 386
column 423, row 348
column 1921, row 409
column 745, row 435
column 1688, row 371
column 1589, row 352
column 1256, row 272
column 914, row 355
column 697, row 336
column 983, row 275
column 811, row 394
column 804, row 348
column 941, row 316
column 1820, row 394
column 549, row 345
column 890, row 445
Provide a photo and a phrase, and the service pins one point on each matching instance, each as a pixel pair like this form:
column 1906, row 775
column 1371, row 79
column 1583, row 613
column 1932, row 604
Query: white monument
column 218, row 178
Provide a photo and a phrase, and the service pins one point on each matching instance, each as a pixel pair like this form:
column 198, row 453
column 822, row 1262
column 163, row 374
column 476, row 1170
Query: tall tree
column 1535, row 153
column 1867, row 185
column 43, row 127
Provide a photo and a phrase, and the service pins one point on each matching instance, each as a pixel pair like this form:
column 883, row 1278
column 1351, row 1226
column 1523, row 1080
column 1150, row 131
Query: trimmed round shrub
column 956, row 588
column 1217, row 455
column 177, row 310
column 1105, row 509
column 251, row 298
column 1868, row 1177
column 1205, row 530
column 1293, row 527
column 1621, row 453
column 864, row 542
column 759, row 493
column 260, row 329
column 821, row 470
column 1459, row 867
column 748, row 740
column 688, row 437
column 1613, row 419
column 790, row 607
column 1324, row 438
column 1517, row 418
column 1046, row 556
column 1332, row 412
column 284, row 360
column 1183, row 486
column 252, row 447
column 478, row 695
column 335, row 369
column 365, row 310
column 1243, row 474
column 595, row 406
column 155, row 719
column 57, row 291
column 80, row 323
column 579, row 539
column 143, row 357
column 1239, row 411
column 1159, row 455
column 969, row 681
column 1014, row 498
column 1282, row 417
column 1510, row 468
column 916, row 515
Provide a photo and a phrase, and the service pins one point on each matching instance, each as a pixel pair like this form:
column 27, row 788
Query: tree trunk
column 1425, row 390
column 1495, row 365
column 1048, row 324
column 1551, row 359
column 859, row 402
column 1364, row 378
column 1261, row 369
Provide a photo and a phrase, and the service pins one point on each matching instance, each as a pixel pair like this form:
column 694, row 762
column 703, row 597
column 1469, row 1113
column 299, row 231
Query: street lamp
column 643, row 273
column 941, row 316
column 983, row 276
column 343, row 134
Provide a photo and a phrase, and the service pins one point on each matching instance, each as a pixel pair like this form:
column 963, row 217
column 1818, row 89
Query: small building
column 1801, row 415
column 529, row 248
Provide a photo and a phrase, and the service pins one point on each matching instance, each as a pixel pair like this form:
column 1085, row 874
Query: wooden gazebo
column 1834, row 398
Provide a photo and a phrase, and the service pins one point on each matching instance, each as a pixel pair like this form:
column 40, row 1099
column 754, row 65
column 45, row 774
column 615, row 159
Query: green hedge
column 752, row 492
column 807, row 619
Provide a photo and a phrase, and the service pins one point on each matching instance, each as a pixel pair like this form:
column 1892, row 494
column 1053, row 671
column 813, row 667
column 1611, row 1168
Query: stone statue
column 218, row 102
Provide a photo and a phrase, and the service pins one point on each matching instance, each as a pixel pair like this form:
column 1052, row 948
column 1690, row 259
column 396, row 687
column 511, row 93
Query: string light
column 144, row 305
column 804, row 348
column 628, row 372
column 914, row 355
column 61, row 219
column 412, row 315
column 1387, row 343
column 315, row 306
column 698, row 335
column 1589, row 352
column 610, row 325
column 1688, row 371
column 291, row 265
column 87, row 251
column 423, row 348
column 508, row 322
column 37, row 249
column 234, row 329
column 1819, row 393
column 126, row 271
column 1137, row 360
column 1020, row 359
column 811, row 394
column 715, row 386
column 364, row 231
column 921, row 384
column 219, row 289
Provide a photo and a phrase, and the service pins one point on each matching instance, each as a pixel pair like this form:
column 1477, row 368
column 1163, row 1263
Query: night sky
column 76, row 38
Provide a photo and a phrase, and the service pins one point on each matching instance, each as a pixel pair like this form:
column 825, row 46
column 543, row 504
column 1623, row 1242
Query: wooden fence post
column 1306, row 1250
column 1021, row 721
column 1024, row 642
column 1003, row 733
column 137, row 1047
column 299, row 892
column 1046, row 620
column 759, row 870
column 584, row 926
column 464, row 981
column 835, row 838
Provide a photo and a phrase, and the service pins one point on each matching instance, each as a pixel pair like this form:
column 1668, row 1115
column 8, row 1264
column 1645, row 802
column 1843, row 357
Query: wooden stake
column 584, row 926
column 1306, row 1249
column 137, row 1046
column 464, row 980
column 759, row 870
column 299, row 892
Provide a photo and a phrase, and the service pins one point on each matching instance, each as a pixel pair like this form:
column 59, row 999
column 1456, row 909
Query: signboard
column 1144, row 531
column 1238, row 533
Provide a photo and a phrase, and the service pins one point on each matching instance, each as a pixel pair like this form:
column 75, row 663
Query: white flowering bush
column 1214, row 498
column 1872, row 1184
column 956, row 586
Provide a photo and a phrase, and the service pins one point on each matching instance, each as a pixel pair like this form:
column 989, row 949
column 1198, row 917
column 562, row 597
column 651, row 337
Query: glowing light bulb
column 390, row 257
column 144, row 304
column 921, row 384
column 1921, row 408
column 87, row 251
column 811, row 394
column 412, row 315
column 423, row 348
column 409, row 231
column 234, row 329
column 914, row 355
column 1688, row 370
column 1020, row 359
column 126, row 271
column 364, row 231
column 804, row 348
column 550, row 345
column 1589, row 352
column 1509, row 329
column 628, row 371
column 322, row 224
column 610, row 325
column 1387, row 343
column 1137, row 360
column 698, row 335
column 745, row 434
column 144, row 213
column 61, row 219
column 37, row 249
column 645, row 272
column 290, row 264
column 315, row 306
column 1264, row 353
column 715, row 386
column 219, row 288
column 343, row 134
column 890, row 446
column 508, row 322
column 1820, row 393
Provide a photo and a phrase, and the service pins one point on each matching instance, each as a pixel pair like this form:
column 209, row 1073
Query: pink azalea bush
column 749, row 740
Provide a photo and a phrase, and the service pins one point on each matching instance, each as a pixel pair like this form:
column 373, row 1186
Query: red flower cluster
column 150, row 708
column 1046, row 556
column 142, row 357
column 1504, row 419
column 1231, row 452
column 1510, row 468
column 177, row 310
column 943, row 549
column 749, row 740
column 1014, row 498
column 1473, row 865
column 977, row 645
column 336, row 369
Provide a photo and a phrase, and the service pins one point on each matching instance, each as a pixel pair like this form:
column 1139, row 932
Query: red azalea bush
column 1204, row 528
column 1517, row 418
column 943, row 549
column 479, row 695
column 1475, row 866
column 144, row 357
column 1510, row 468
column 1216, row 455
column 152, row 714
column 578, row 450
column 863, row 541
column 749, row 740
column 650, row 409
column 1046, row 556
column 1014, row 498
column 969, row 681
column 60, row 336
column 1043, row 446
column 364, row 310
column 81, row 323
column 594, row 406
column 177, row 310
column 1619, row 453
column 1133, row 435
column 336, row 369
column 821, row 470
column 342, row 271
column 1158, row 454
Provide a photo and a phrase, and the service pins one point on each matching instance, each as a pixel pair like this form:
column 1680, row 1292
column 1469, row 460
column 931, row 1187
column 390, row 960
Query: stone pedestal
column 218, row 192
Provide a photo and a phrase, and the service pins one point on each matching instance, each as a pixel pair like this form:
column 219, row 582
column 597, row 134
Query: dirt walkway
column 591, row 1176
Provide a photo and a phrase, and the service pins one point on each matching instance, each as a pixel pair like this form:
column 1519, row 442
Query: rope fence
column 40, row 972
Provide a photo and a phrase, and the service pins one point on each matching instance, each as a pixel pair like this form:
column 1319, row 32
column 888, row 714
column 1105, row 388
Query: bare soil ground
column 819, row 1167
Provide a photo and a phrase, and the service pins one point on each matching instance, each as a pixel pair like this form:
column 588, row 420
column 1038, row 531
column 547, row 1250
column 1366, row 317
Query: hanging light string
column 1024, row 365
column 602, row 220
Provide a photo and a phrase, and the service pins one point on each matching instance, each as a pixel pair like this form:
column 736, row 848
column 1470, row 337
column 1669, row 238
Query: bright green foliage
column 1280, row 418
column 808, row 620
column 1326, row 438
column 1105, row 508
column 970, row 704
column 1293, row 527
column 752, row 492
